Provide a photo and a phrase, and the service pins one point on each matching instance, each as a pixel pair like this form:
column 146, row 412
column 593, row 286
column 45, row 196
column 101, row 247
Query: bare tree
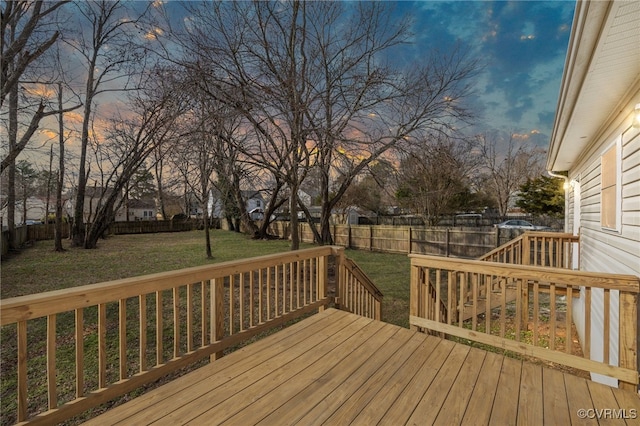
column 312, row 80
column 506, row 165
column 433, row 179
column 105, row 42
column 27, row 32
column 131, row 142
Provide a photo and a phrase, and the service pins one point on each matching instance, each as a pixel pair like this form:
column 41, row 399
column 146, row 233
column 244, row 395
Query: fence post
column 628, row 336
column 447, row 242
column 370, row 237
column 349, row 236
column 410, row 237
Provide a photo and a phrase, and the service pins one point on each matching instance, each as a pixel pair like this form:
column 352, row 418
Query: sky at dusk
column 522, row 45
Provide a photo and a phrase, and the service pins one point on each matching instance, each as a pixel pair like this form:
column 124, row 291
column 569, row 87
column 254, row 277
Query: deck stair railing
column 67, row 351
column 528, row 310
column 549, row 249
column 358, row 294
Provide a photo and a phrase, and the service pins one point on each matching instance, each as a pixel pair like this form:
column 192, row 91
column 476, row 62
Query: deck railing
column 527, row 310
column 550, row 249
column 104, row 340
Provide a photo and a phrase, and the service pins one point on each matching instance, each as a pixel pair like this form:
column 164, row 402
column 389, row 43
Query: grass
column 39, row 268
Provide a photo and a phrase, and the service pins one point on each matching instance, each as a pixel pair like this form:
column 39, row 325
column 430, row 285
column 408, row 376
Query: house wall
column 603, row 250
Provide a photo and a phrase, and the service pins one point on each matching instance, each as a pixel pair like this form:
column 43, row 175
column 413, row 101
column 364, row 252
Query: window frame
column 611, row 186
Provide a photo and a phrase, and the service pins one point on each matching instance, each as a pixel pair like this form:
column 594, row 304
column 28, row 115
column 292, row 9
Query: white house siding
column 606, row 250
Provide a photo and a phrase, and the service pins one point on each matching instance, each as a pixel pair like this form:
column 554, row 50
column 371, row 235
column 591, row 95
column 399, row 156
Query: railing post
column 414, row 293
column 340, row 275
column 628, row 335
column 217, row 314
column 526, row 249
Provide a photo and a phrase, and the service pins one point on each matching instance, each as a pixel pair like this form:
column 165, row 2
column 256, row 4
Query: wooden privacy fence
column 42, row 232
column 459, row 242
column 76, row 348
column 528, row 310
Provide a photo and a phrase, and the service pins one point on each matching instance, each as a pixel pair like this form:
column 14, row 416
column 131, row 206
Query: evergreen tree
column 543, row 195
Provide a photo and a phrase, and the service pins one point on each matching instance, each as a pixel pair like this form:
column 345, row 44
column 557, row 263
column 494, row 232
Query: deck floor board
column 337, row 368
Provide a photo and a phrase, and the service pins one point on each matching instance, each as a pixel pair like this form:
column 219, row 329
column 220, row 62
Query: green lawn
column 39, row 268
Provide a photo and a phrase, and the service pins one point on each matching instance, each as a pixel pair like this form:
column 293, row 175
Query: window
column 611, row 186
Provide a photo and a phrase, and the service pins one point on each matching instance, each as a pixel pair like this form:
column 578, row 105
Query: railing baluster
column 242, row 312
column 277, row 292
column 568, row 323
column 461, row 279
column 176, row 322
column 503, row 308
column 159, row 329
column 451, row 296
column 203, row 312
column 22, row 370
column 536, row 311
column 587, row 323
column 231, row 304
column 79, row 346
column 269, row 293
column 519, row 308
column 552, row 318
column 488, row 280
column 190, row 317
column 142, row 331
column 251, row 299
column 607, row 326
column 261, row 302
column 51, row 362
column 122, row 337
column 102, row 345
column 474, row 307
column 292, row 275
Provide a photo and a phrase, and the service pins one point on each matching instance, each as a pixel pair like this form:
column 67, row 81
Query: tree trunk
column 11, row 169
column 293, row 211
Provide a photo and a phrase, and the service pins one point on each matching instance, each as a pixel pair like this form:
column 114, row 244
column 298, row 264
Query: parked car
column 521, row 224
column 33, row 222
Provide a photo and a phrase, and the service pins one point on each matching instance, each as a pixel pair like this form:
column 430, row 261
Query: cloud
column 523, row 44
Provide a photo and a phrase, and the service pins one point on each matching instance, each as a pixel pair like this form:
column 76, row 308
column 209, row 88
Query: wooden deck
column 339, row 368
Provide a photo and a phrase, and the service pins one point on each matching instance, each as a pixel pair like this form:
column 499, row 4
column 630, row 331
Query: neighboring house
column 253, row 199
column 142, row 210
column 93, row 199
column 36, row 207
column 595, row 145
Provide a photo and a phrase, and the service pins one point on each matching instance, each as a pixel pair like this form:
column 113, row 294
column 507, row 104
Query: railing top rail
column 363, row 278
column 560, row 277
column 503, row 247
column 42, row 304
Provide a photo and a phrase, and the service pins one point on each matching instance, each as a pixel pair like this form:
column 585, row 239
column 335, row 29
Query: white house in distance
column 595, row 145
